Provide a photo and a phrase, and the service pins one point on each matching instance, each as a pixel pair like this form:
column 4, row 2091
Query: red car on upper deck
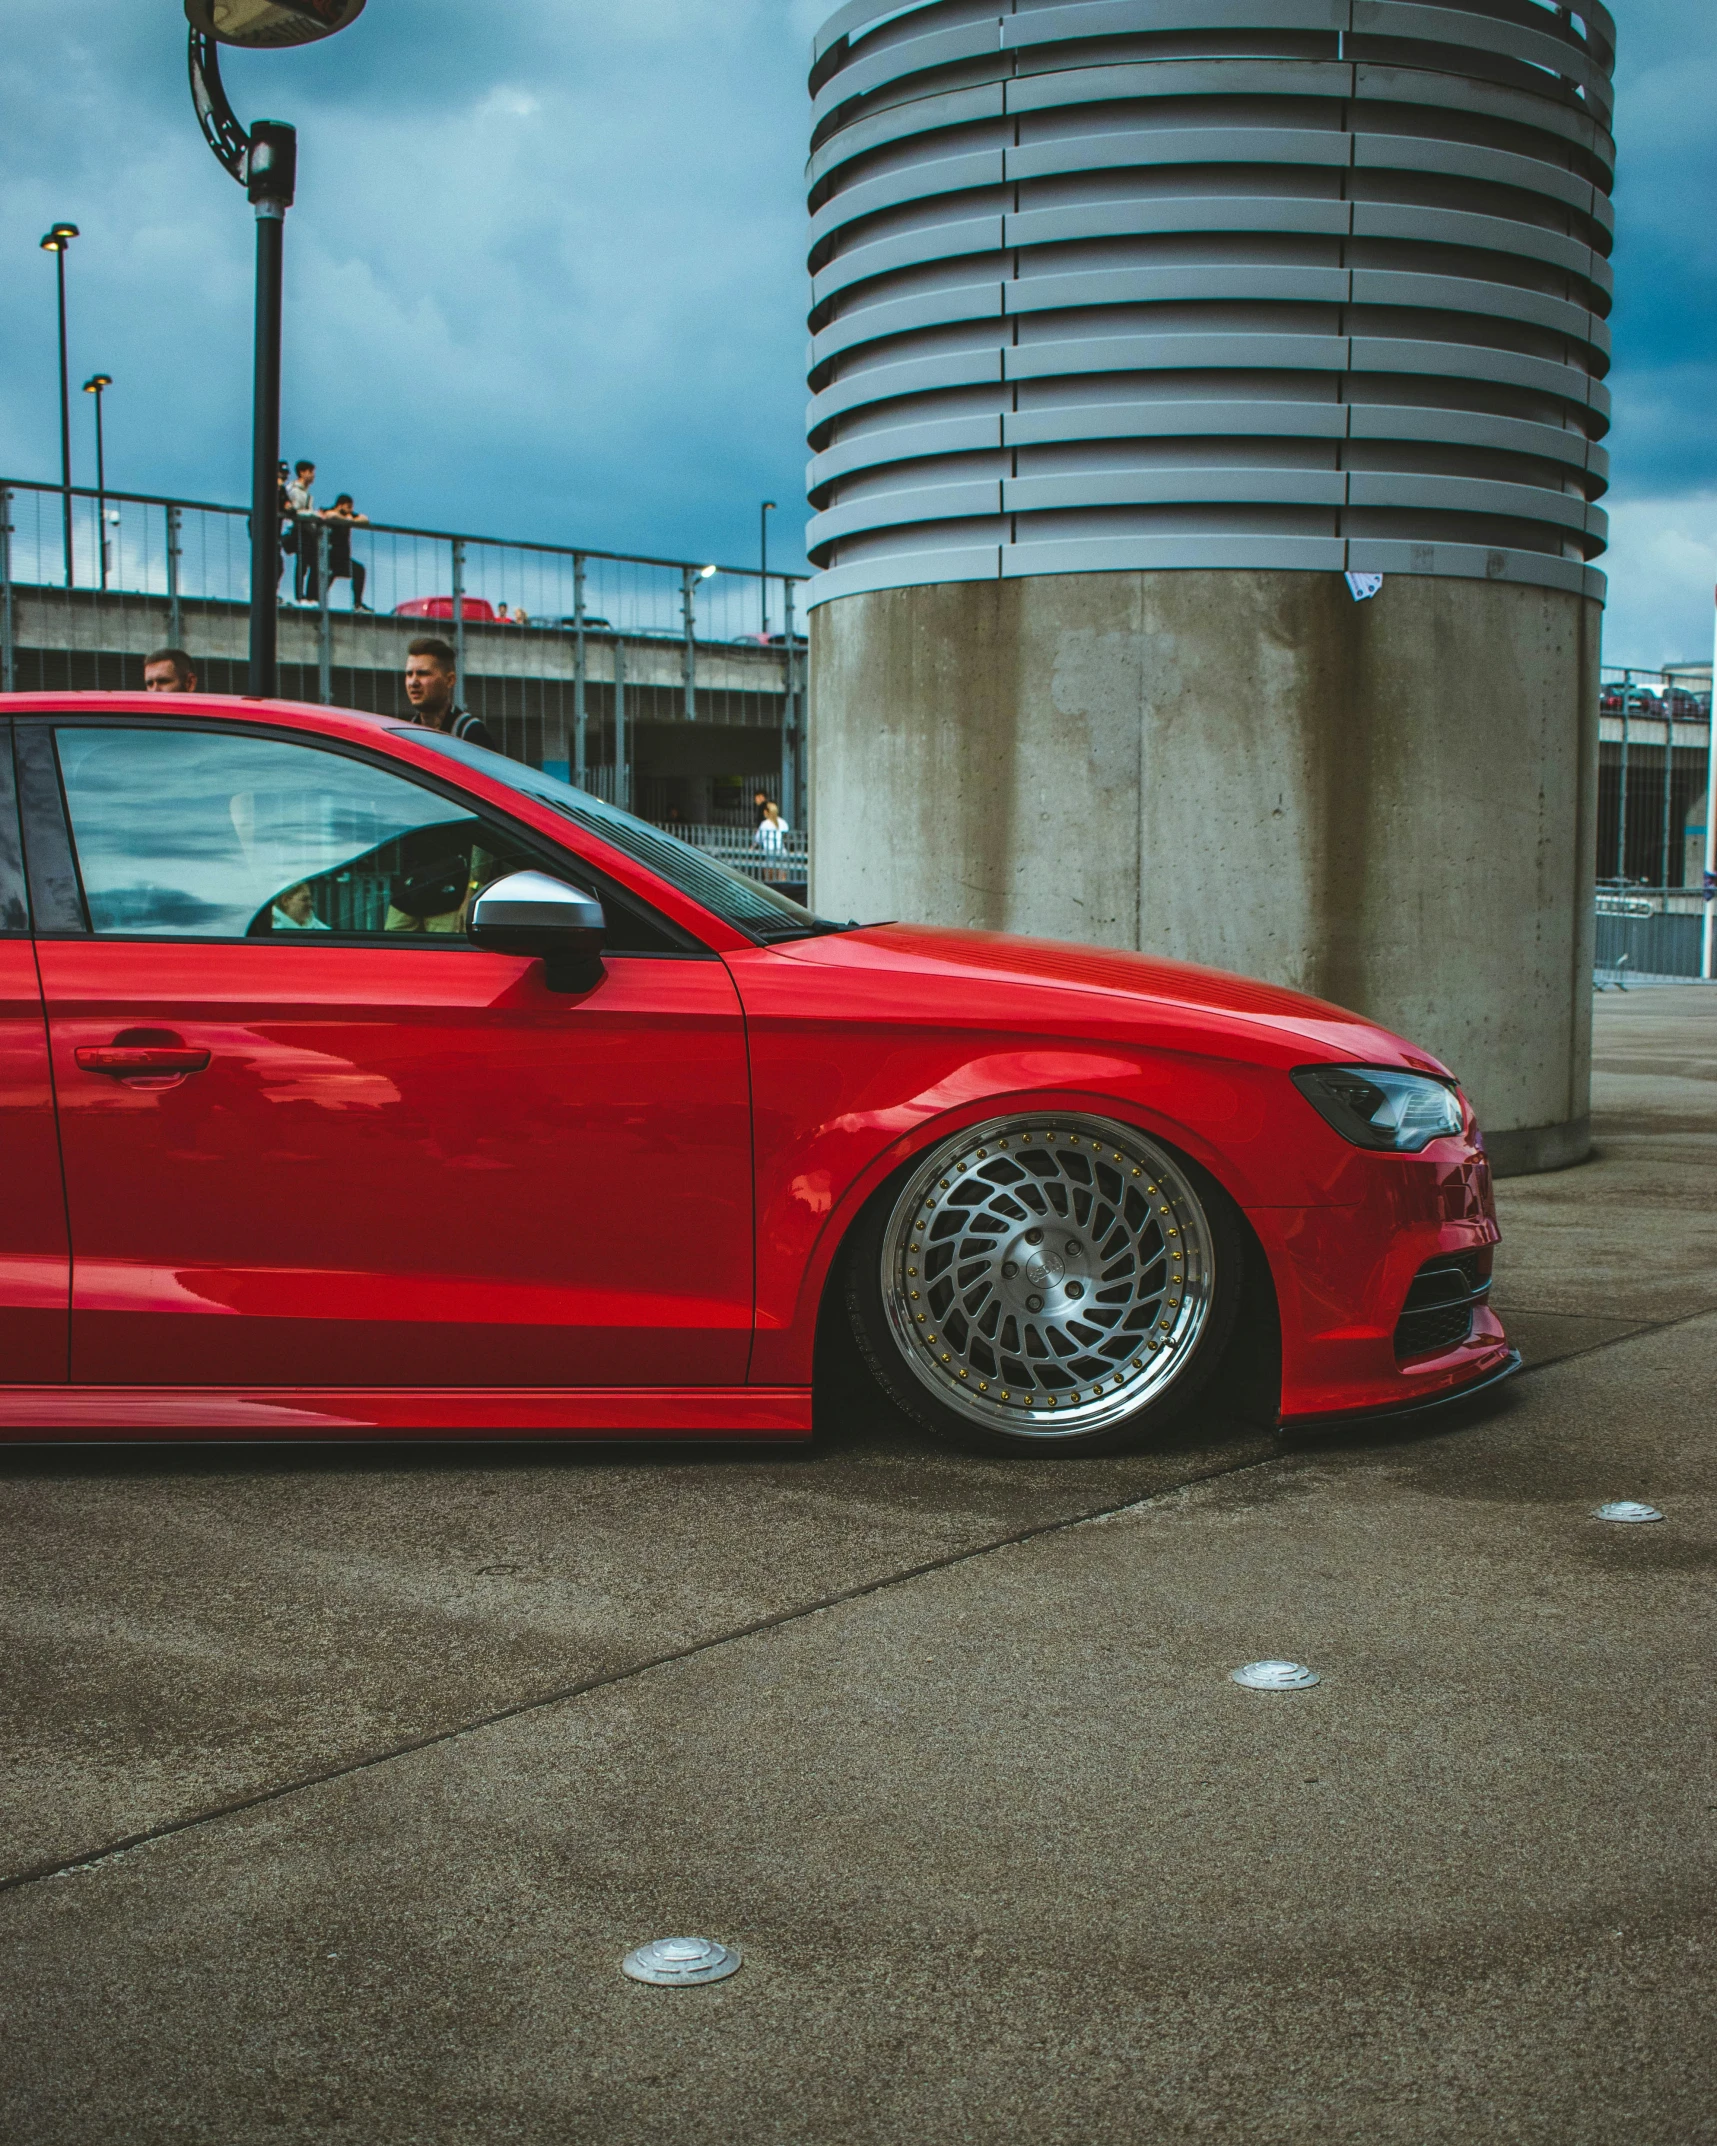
column 355, row 1079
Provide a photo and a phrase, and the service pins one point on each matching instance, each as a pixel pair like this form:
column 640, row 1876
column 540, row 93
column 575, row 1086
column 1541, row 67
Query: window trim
column 14, row 879
column 57, row 906
column 39, row 808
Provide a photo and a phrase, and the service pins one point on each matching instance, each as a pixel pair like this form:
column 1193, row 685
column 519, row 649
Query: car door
column 35, row 1268
column 313, row 1136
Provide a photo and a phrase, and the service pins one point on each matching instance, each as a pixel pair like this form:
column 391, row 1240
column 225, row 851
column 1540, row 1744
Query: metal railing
column 564, row 650
column 1653, row 781
column 785, row 864
column 1655, row 892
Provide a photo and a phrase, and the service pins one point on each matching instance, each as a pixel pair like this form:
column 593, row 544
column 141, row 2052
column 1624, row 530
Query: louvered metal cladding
column 1120, row 284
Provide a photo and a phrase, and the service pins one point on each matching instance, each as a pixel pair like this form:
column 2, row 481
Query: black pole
column 65, row 413
column 265, row 454
column 271, row 174
column 100, row 490
column 763, row 560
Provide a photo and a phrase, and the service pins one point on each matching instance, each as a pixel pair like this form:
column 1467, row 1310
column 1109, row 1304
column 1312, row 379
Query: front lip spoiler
column 1395, row 1412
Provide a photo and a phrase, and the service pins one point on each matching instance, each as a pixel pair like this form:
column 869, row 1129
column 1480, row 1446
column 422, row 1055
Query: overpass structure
column 656, row 683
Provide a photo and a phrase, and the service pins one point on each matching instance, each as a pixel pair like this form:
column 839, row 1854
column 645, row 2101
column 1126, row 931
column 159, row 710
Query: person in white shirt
column 772, row 830
column 295, row 910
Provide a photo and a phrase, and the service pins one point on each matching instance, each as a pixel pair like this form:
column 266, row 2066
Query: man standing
column 169, row 670
column 431, row 682
column 301, row 501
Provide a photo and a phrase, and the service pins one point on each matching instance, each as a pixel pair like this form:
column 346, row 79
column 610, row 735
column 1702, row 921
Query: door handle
column 133, row 1061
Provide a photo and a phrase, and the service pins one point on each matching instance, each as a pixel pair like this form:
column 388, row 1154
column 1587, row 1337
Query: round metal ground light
column 1627, row 1510
column 674, row 1962
column 1046, row 1276
column 1274, row 1676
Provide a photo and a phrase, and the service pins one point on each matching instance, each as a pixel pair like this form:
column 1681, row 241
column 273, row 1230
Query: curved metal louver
column 1114, row 284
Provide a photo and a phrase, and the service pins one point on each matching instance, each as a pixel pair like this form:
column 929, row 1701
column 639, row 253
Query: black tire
column 1106, row 1270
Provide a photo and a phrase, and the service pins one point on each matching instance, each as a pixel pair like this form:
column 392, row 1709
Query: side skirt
column 404, row 1411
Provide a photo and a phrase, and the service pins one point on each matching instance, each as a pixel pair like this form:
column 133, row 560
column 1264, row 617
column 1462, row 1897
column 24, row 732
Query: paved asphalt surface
column 334, row 1785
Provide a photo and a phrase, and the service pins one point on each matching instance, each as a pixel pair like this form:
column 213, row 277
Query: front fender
column 839, row 1107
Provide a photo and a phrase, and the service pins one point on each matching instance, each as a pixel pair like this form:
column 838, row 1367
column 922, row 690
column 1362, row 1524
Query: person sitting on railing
column 342, row 517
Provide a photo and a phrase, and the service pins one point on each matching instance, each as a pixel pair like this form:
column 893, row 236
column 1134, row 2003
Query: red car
column 477, row 608
column 359, row 1080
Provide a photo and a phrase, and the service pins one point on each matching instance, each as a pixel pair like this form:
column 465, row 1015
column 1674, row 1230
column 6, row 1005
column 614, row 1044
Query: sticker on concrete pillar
column 1360, row 586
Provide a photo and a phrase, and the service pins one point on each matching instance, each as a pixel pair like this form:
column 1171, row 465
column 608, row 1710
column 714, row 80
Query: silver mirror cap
column 533, row 902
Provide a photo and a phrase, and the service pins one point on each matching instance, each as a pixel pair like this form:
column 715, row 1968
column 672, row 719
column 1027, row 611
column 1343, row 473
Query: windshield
column 760, row 912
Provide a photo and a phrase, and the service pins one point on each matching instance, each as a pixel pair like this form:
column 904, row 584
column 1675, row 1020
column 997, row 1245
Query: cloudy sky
column 545, row 275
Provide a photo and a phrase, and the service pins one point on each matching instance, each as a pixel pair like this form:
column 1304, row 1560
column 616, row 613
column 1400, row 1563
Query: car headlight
column 1380, row 1107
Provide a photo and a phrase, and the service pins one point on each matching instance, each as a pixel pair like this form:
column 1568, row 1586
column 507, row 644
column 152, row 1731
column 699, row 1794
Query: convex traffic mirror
column 270, row 23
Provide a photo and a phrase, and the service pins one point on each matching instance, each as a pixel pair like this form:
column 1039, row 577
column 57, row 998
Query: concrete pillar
column 1142, row 332
column 1251, row 770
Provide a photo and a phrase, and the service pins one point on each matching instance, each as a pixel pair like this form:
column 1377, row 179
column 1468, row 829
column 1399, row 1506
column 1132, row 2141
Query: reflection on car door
column 343, row 1147
column 35, row 1270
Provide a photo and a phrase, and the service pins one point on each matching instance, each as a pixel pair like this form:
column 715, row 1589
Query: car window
column 202, row 834
column 761, row 912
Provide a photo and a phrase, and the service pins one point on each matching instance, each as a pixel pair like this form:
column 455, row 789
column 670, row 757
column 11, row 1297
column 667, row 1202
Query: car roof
column 244, row 707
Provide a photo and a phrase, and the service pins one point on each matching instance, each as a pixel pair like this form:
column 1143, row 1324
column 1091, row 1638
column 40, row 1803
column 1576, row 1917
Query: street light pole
column 767, row 509
column 271, row 169
column 94, row 386
column 56, row 242
column 265, row 163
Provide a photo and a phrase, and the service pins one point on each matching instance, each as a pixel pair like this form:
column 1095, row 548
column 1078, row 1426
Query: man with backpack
column 431, row 686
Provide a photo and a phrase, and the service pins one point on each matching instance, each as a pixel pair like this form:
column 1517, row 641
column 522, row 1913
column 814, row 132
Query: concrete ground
column 334, row 1785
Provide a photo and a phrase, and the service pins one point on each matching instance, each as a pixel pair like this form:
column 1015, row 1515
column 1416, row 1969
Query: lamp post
column 94, row 386
column 690, row 576
column 763, row 514
column 55, row 242
column 265, row 163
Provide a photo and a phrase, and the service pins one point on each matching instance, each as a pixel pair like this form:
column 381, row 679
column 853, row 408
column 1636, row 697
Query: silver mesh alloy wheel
column 1047, row 1275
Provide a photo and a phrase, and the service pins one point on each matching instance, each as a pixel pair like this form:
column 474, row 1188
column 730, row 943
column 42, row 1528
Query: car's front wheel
column 1046, row 1281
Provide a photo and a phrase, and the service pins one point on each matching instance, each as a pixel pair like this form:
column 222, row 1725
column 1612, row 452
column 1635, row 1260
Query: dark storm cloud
column 1663, row 557
column 546, row 274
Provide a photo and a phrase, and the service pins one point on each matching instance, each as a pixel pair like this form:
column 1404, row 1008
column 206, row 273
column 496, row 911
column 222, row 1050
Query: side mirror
column 530, row 913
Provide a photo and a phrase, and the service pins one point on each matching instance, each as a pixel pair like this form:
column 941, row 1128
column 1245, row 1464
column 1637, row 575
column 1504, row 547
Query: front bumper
column 1428, row 1404
column 1342, row 1276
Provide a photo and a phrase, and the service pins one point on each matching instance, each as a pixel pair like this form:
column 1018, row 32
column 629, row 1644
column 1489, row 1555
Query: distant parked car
column 473, row 607
column 592, row 622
